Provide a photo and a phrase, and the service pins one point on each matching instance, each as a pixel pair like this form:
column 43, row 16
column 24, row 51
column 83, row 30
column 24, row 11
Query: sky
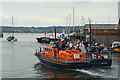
column 56, row 13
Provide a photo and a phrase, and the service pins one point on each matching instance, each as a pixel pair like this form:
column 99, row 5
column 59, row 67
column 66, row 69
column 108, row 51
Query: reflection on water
column 48, row 72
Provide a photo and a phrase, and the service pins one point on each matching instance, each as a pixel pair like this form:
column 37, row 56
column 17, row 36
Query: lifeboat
column 70, row 58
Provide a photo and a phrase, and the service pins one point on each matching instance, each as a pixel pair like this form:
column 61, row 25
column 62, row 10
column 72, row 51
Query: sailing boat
column 12, row 38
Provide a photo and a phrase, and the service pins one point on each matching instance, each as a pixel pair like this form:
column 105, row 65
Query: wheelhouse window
column 115, row 44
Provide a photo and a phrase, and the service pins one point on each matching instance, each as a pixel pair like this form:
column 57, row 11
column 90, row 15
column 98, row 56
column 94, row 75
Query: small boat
column 46, row 39
column 12, row 38
column 43, row 39
column 116, row 46
column 71, row 59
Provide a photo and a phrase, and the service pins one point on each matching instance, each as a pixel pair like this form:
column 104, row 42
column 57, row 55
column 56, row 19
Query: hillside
column 9, row 29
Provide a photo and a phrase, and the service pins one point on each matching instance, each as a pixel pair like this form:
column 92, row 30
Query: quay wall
column 106, row 39
column 104, row 36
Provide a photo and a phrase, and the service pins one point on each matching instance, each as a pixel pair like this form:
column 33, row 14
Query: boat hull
column 41, row 40
column 46, row 40
column 117, row 49
column 101, row 63
column 11, row 39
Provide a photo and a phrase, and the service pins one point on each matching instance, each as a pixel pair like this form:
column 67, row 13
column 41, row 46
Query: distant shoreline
column 59, row 29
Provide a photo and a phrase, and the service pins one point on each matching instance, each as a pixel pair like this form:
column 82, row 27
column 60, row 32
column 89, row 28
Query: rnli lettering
column 76, row 56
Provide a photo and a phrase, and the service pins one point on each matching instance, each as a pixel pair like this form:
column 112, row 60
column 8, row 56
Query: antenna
column 55, row 32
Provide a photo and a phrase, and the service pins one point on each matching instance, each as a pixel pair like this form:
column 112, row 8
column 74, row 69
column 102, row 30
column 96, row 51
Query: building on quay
column 104, row 33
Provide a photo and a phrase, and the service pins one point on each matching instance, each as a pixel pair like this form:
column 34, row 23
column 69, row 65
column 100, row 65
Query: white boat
column 116, row 46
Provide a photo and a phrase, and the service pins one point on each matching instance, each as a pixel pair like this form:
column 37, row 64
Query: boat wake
column 89, row 72
column 114, row 66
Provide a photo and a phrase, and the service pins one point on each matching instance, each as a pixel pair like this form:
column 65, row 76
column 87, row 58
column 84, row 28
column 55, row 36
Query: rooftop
column 102, row 26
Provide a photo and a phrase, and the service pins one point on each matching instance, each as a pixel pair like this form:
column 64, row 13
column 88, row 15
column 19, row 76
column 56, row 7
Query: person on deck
column 100, row 48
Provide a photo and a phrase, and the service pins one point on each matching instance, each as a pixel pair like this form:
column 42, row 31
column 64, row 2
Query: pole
column 55, row 33
column 90, row 31
column 82, row 24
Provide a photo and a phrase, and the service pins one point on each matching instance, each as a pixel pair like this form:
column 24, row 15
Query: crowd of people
column 82, row 46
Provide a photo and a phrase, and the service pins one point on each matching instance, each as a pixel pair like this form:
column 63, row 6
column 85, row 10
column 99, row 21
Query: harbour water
column 19, row 61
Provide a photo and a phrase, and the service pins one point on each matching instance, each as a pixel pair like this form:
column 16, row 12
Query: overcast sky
column 55, row 13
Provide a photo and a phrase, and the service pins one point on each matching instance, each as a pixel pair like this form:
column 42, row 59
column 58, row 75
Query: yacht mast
column 66, row 25
column 73, row 18
column 12, row 26
column 69, row 24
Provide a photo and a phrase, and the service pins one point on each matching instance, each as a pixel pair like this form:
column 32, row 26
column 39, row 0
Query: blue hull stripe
column 53, row 61
column 80, row 65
